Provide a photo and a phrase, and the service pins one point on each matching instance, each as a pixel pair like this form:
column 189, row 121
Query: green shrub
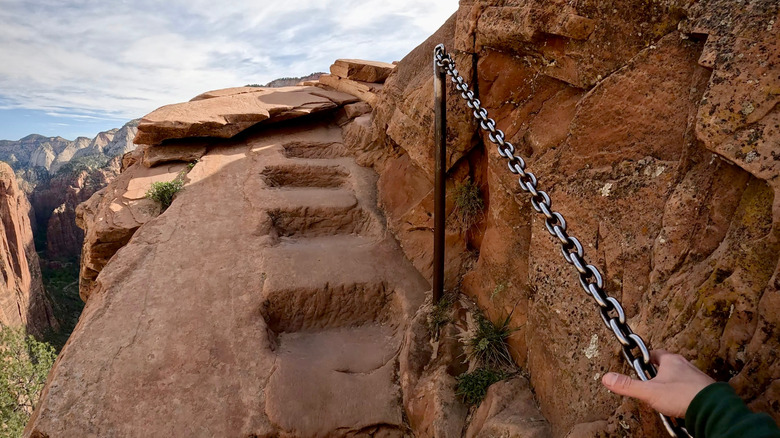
column 488, row 344
column 497, row 290
column 468, row 204
column 472, row 387
column 164, row 191
column 24, row 365
column 440, row 314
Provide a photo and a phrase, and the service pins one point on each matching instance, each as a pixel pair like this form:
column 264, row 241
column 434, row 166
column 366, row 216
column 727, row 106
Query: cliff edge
column 23, row 301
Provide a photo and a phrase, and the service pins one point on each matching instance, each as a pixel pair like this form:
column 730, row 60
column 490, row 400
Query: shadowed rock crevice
column 300, row 222
column 332, row 306
column 305, row 176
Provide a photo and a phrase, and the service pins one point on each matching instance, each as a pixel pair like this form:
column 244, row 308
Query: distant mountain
column 36, row 150
column 39, row 155
column 288, row 82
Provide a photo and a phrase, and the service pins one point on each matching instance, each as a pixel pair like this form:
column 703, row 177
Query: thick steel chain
column 591, row 280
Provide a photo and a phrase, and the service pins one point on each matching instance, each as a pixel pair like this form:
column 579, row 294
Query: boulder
column 509, row 410
column 225, row 113
column 365, row 91
column 187, row 151
column 361, row 70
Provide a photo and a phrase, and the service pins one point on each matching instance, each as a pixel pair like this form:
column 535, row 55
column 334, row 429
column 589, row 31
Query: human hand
column 670, row 392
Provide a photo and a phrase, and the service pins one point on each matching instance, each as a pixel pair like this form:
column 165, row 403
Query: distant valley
column 56, row 175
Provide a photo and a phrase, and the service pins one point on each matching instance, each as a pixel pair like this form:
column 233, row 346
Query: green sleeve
column 717, row 412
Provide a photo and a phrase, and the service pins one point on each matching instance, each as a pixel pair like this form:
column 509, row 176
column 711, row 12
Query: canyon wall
column 23, row 301
column 653, row 126
column 55, row 201
column 270, row 298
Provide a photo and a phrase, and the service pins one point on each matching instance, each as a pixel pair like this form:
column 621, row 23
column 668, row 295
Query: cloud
column 123, row 58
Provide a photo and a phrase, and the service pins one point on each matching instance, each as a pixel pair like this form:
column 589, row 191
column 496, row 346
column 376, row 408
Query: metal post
column 439, row 188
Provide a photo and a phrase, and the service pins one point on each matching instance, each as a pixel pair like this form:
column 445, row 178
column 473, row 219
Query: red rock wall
column 23, row 301
column 653, row 127
column 55, row 202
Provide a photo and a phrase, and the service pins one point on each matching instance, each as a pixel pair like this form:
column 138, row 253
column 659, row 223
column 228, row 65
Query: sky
column 77, row 67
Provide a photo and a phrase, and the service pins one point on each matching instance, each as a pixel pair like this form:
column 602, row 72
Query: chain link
column 591, row 280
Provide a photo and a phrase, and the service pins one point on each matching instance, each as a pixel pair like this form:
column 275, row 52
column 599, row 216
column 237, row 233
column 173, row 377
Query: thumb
column 624, row 385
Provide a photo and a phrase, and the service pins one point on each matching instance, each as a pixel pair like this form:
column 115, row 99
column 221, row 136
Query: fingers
column 656, row 355
column 624, row 385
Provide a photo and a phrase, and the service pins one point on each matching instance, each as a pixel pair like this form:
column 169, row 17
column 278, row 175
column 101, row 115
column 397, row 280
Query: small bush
column 488, row 344
column 24, row 365
column 440, row 314
column 164, row 191
column 497, row 290
column 473, row 386
column 468, row 204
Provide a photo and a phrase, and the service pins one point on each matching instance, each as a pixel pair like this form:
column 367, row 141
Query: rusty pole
column 439, row 188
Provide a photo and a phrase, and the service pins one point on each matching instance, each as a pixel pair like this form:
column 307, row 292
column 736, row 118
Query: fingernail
column 610, row 378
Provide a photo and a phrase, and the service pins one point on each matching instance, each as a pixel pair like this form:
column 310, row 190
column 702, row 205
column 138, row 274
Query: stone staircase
column 336, row 292
column 268, row 300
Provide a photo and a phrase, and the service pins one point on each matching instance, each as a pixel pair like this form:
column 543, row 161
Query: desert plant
column 24, row 365
column 488, row 342
column 468, row 204
column 473, row 386
column 440, row 314
column 164, row 191
column 497, row 290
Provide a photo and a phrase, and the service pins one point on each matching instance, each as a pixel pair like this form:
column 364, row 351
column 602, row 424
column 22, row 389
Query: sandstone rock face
column 225, row 113
column 509, row 410
column 402, row 116
column 111, row 216
column 23, row 301
column 282, row 314
column 658, row 146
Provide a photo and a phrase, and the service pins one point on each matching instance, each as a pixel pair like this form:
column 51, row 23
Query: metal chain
column 591, row 280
